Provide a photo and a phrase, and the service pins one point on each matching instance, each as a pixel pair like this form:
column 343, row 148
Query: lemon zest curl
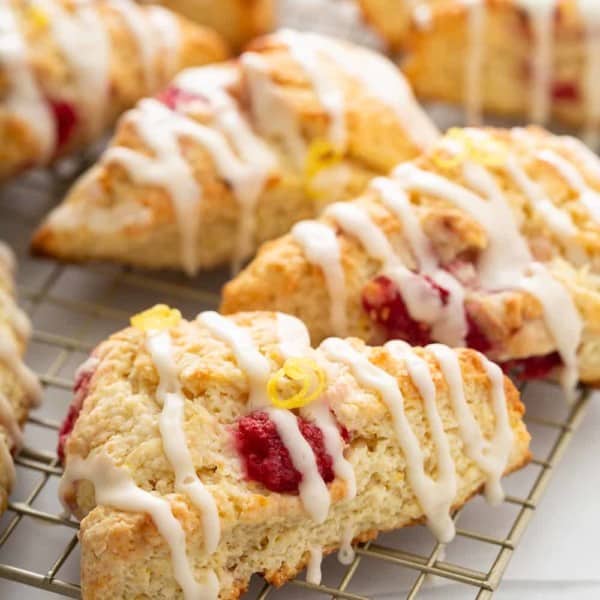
column 303, row 371
column 158, row 318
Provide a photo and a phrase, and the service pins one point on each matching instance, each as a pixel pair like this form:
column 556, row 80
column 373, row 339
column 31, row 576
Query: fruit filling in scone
column 216, row 448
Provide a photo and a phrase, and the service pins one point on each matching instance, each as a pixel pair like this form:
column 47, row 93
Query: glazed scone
column 238, row 21
column 537, row 60
column 233, row 155
column 19, row 388
column 490, row 240
column 209, row 450
column 69, row 69
column 392, row 19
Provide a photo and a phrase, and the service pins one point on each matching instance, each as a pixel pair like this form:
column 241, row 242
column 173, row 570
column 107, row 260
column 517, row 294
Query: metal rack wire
column 73, row 308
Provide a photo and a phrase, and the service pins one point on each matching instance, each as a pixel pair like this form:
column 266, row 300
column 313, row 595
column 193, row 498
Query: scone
column 69, row 68
column 209, row 450
column 538, row 59
column 238, row 21
column 490, row 240
column 392, row 19
column 233, row 155
column 19, row 388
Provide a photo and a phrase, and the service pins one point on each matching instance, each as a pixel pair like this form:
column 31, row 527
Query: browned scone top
column 232, row 155
column 387, row 415
column 483, row 241
column 536, row 61
column 69, row 69
column 392, row 19
column 238, row 21
column 19, row 389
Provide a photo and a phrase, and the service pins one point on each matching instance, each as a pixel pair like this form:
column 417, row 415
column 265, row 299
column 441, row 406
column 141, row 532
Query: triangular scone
column 392, row 19
column 238, row 21
column 19, row 388
column 209, row 450
column 490, row 240
column 537, row 59
column 233, row 155
column 68, row 69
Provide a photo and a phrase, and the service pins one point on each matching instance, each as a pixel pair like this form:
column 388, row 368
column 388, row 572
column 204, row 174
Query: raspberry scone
column 232, row 155
column 490, row 240
column 19, row 388
column 238, row 21
column 206, row 451
column 392, row 19
column 534, row 58
column 69, row 68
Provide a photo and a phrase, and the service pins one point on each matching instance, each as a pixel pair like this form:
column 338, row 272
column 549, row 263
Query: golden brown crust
column 437, row 55
column 238, row 21
column 58, row 86
column 15, row 399
column 123, row 555
column 138, row 223
column 281, row 277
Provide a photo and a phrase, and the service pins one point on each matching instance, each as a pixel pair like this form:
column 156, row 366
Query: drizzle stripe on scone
column 490, row 240
column 182, row 423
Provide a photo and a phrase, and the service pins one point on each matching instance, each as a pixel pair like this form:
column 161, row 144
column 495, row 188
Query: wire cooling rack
column 73, row 308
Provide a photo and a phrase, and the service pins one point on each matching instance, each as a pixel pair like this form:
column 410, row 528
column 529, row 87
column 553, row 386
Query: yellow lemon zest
column 37, row 17
column 157, row 318
column 303, row 371
column 447, row 161
column 489, row 152
column 321, row 155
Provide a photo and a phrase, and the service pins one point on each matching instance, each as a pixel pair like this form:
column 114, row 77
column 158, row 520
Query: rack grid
column 73, row 308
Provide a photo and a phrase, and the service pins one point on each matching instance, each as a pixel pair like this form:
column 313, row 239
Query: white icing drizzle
column 24, row 98
column 506, row 263
column 379, row 76
column 448, row 321
column 114, row 487
column 166, row 28
column 211, row 83
column 321, row 248
column 85, row 44
column 431, row 495
column 329, row 93
column 590, row 16
column 161, row 129
column 474, row 60
column 141, row 27
column 562, row 319
column 589, row 197
column 313, row 490
column 313, row 570
column 557, row 220
column 171, row 424
column 490, row 456
column 446, row 485
column 254, row 365
column 273, row 116
column 589, row 159
column 541, row 15
column 10, row 356
column 294, row 341
column 346, row 553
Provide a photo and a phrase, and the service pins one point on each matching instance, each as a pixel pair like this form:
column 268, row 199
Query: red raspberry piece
column 534, row 367
column 65, row 119
column 173, row 97
column 268, row 461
